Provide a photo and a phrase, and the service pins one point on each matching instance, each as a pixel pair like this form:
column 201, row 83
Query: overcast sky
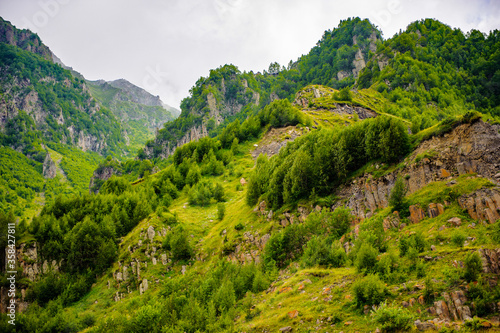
column 164, row 46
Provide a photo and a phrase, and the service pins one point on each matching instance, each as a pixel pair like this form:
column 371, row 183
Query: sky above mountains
column 165, row 46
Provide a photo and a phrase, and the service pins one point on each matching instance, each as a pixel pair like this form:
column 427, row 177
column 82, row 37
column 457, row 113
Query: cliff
column 469, row 148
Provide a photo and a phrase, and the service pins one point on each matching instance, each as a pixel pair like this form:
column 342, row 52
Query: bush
column 179, row 245
column 483, row 297
column 319, row 251
column 392, row 318
column 430, row 290
column 397, row 197
column 239, row 226
column 146, row 319
column 496, row 232
column 389, row 267
column 369, row 290
column 285, row 245
column 366, row 258
column 221, row 210
column 334, row 223
column 415, row 242
column 473, row 266
column 458, row 238
column 372, row 232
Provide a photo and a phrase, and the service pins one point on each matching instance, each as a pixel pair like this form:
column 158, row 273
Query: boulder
column 392, row 221
column 433, row 210
column 151, row 232
column 442, row 310
column 455, row 221
column 143, row 286
column 445, row 173
column 424, row 326
column 286, row 329
column 417, row 214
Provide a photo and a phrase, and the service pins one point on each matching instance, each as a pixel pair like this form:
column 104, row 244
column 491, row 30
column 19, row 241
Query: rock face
column 276, row 139
column 249, row 249
column 99, row 176
column 482, row 205
column 168, row 148
column 490, row 260
column 452, row 308
column 468, row 148
column 304, row 97
column 23, row 39
column 143, row 287
column 219, row 107
column 29, row 262
column 49, row 167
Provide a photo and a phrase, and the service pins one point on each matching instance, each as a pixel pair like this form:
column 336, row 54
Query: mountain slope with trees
column 375, row 206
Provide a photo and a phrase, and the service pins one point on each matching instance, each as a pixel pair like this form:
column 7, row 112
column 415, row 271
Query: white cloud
column 181, row 40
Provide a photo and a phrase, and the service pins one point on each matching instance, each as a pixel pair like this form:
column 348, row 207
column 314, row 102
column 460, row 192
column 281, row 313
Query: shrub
column 372, row 233
column 146, row 319
column 429, row 291
column 392, row 318
column 414, row 241
column 239, row 226
column 285, row 245
column 397, row 197
column 420, row 268
column 473, row 324
column 483, row 297
column 388, row 267
column 473, row 266
column 458, row 238
column 179, row 245
column 319, row 251
column 496, row 232
column 366, row 258
column 369, row 290
column 221, row 210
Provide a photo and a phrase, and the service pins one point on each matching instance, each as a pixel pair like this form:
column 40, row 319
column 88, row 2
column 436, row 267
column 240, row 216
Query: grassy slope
column 74, row 170
column 323, row 297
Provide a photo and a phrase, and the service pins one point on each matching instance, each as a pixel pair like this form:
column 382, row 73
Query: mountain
column 140, row 113
column 227, row 94
column 321, row 197
column 52, row 119
column 427, row 66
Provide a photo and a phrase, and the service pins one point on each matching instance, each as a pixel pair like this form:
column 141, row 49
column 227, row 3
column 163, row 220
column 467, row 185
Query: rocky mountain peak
column 24, row 39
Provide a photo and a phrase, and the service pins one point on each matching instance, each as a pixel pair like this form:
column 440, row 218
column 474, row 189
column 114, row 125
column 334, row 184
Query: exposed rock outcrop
column 482, row 205
column 49, row 167
column 99, row 176
column 276, row 139
column 168, row 148
column 23, row 39
column 469, row 148
column 490, row 260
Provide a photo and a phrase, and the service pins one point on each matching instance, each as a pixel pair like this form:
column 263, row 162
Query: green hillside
column 139, row 112
column 357, row 190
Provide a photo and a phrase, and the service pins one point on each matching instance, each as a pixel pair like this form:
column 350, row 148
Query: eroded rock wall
column 469, row 148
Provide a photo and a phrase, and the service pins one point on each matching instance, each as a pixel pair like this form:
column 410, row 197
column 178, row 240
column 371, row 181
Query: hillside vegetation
column 356, row 190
